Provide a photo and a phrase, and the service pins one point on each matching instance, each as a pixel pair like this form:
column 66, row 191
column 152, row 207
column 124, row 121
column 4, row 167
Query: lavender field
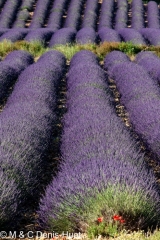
column 56, row 22
column 80, row 136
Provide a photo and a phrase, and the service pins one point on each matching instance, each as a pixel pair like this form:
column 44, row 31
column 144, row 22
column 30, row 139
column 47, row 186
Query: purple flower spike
column 55, row 17
column 97, row 152
column 90, row 14
column 137, row 20
column 151, row 63
column 132, row 35
column 83, row 56
column 27, row 122
column 114, row 57
column 74, row 14
column 40, row 14
column 14, row 35
column 151, row 35
column 8, row 13
column 108, row 35
column 86, row 35
column 10, row 68
column 42, row 35
column 106, row 14
column 142, row 103
column 62, row 36
column 152, row 14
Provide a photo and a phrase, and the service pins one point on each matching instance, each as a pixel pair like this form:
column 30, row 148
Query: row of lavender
column 26, row 125
column 10, row 69
column 140, row 93
column 85, row 35
column 101, row 163
column 50, row 14
column 99, row 155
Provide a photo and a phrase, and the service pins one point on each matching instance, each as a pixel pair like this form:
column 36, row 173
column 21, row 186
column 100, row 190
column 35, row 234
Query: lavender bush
column 86, row 35
column 9, row 198
column 23, row 13
column 90, row 14
column 42, row 35
column 121, row 15
column 55, row 17
column 62, row 36
column 131, row 35
column 27, row 123
column 137, row 20
column 14, row 35
column 144, row 55
column 151, row 35
column 19, row 60
column 108, row 35
column 7, row 78
column 74, row 14
column 113, row 58
column 84, row 56
column 21, row 19
column 3, row 30
column 10, row 69
column 101, row 164
column 151, row 63
column 48, row 61
column 106, row 14
column 40, row 14
column 8, row 13
column 141, row 96
column 152, row 14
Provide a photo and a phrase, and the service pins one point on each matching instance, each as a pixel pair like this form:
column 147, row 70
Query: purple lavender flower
column 10, row 68
column 90, row 14
column 3, row 30
column 40, row 34
column 144, row 55
column 40, row 14
column 142, row 103
column 7, row 78
column 26, row 125
column 113, row 58
column 86, row 35
column 106, row 14
column 83, row 56
column 121, row 15
column 73, row 14
column 151, row 63
column 108, row 35
column 131, row 35
column 14, row 35
column 55, row 17
column 152, row 14
column 97, row 152
column 62, row 36
column 19, row 60
column 21, row 19
column 151, row 35
column 8, row 13
column 9, row 199
column 137, row 20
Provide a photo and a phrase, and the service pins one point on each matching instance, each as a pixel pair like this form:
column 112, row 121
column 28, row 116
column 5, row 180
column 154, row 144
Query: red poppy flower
column 100, row 219
column 122, row 221
column 117, row 217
